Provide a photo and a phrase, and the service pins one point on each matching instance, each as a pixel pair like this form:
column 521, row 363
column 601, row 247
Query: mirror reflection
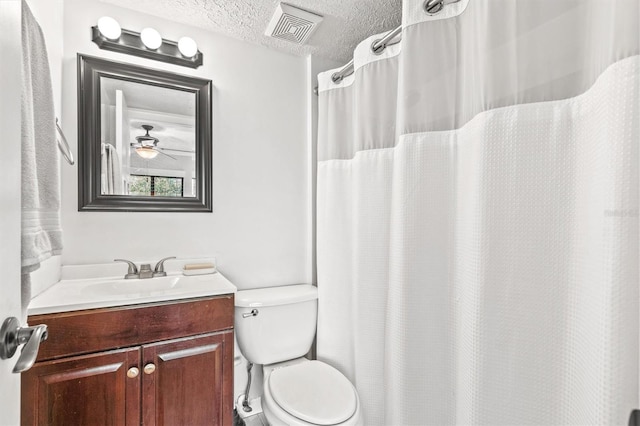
column 148, row 140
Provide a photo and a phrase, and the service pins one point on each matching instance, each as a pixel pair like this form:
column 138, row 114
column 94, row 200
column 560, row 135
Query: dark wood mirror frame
column 90, row 198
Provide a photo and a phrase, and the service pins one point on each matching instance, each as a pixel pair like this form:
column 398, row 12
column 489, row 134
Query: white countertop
column 110, row 291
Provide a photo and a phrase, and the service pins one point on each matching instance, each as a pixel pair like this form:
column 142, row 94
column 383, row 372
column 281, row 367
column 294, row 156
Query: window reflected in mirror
column 148, row 140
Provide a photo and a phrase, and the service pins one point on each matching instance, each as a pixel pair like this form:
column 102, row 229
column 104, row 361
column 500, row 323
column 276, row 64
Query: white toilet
column 275, row 327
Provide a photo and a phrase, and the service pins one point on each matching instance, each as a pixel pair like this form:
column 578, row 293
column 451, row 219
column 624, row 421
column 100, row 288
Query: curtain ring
column 433, row 7
column 378, row 49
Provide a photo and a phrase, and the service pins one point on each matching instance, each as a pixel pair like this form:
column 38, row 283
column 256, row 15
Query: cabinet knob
column 133, row 372
column 149, row 368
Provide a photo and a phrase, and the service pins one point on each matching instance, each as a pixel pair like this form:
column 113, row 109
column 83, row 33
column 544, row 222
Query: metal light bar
column 130, row 43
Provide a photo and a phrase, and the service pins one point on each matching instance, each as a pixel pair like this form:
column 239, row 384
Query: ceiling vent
column 292, row 24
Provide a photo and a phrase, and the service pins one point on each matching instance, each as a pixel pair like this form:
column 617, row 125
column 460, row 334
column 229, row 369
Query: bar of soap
column 192, row 266
column 198, row 269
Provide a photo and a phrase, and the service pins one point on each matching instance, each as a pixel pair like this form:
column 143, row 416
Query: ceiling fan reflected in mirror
column 146, row 146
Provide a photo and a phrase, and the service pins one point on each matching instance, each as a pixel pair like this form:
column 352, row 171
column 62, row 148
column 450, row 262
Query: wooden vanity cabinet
column 185, row 370
column 167, row 363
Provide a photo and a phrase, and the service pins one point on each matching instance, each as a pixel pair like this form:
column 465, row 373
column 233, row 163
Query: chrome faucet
column 145, row 269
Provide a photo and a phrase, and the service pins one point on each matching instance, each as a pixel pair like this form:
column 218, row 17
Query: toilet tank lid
column 274, row 296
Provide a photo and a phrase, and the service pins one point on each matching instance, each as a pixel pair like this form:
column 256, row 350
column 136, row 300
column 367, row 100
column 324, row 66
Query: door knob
column 12, row 336
column 133, row 372
column 149, row 368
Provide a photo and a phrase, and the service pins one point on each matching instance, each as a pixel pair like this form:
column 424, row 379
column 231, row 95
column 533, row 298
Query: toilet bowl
column 275, row 327
column 308, row 393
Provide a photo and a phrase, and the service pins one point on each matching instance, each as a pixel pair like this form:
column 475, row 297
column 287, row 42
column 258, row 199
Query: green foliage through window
column 160, row 186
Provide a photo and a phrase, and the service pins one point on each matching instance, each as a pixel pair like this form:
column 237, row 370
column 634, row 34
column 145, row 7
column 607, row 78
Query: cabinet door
column 83, row 390
column 189, row 381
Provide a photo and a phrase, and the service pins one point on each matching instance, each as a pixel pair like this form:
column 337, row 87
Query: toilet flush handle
column 253, row 313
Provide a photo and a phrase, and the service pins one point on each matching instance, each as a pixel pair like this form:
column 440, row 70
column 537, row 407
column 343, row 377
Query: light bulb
column 146, row 152
column 109, row 28
column 188, row 47
column 151, row 38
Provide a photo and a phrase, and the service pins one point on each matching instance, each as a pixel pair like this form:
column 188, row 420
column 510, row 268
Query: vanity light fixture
column 151, row 38
column 109, row 28
column 187, row 47
column 148, row 44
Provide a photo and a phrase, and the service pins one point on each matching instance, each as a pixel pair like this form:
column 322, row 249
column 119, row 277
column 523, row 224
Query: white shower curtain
column 478, row 216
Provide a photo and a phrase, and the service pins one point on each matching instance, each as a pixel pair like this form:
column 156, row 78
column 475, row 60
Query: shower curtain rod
column 377, row 47
column 431, row 7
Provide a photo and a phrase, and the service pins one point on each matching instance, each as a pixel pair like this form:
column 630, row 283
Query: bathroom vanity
column 162, row 362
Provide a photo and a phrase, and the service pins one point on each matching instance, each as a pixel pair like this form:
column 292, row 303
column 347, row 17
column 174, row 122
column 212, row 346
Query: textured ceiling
column 345, row 23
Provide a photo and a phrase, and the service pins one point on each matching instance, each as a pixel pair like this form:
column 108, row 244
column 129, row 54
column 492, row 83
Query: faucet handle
column 159, row 269
column 133, row 269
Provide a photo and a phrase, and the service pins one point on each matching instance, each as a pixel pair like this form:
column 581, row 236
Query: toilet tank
column 276, row 324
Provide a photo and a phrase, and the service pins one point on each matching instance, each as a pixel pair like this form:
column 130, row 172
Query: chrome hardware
column 245, row 402
column 433, row 7
column 8, row 341
column 63, row 145
column 159, row 269
column 133, row 372
column 145, row 271
column 378, row 46
column 133, row 269
column 12, row 336
column 253, row 313
column 337, row 77
column 149, row 368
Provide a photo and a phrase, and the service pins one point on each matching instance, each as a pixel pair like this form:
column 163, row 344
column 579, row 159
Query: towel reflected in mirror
column 110, row 171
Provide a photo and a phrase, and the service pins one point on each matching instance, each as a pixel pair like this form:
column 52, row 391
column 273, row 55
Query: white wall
column 259, row 227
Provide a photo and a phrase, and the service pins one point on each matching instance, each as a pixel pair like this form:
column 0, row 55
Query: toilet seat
column 313, row 392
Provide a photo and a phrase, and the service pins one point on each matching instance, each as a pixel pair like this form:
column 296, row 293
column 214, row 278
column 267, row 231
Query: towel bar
column 64, row 145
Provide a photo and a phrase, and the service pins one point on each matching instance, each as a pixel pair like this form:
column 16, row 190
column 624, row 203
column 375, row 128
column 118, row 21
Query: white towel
column 41, row 231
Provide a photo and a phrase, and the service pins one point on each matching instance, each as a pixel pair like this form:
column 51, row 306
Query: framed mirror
column 144, row 139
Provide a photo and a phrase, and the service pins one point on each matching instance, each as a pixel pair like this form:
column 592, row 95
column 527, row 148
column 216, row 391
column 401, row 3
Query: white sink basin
column 141, row 287
column 72, row 295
